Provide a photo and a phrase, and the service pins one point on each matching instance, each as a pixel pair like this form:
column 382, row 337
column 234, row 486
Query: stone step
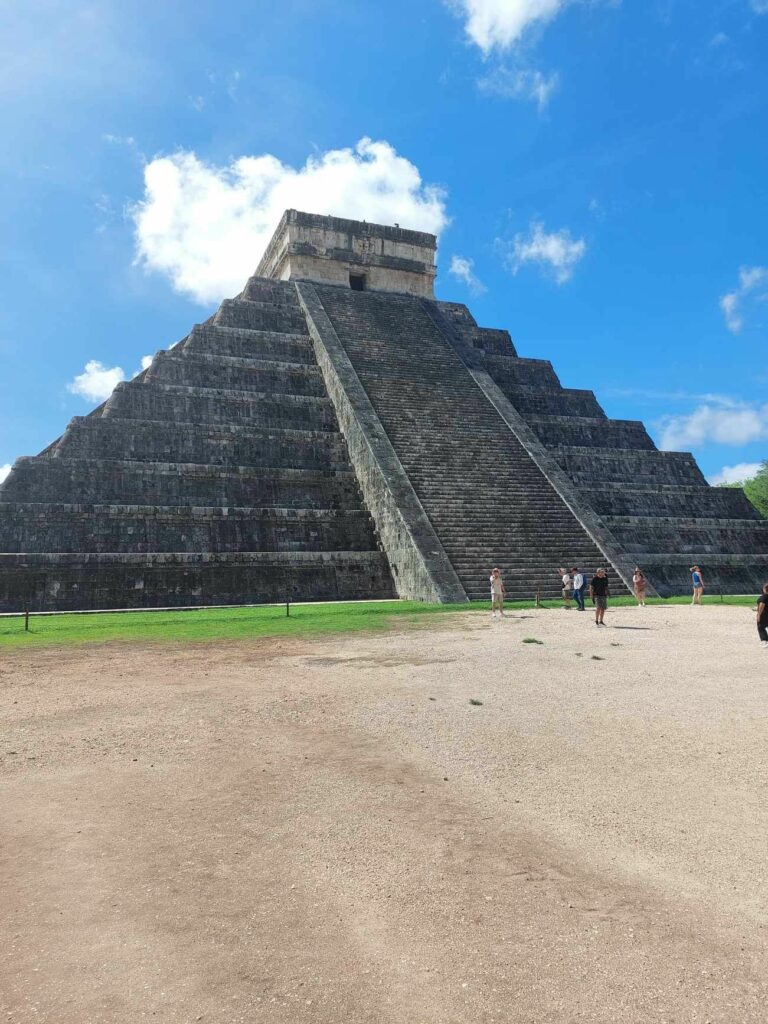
column 471, row 541
column 672, row 501
column 685, row 522
column 451, row 499
column 264, row 289
column 728, row 558
column 514, row 370
column 538, row 401
column 515, row 526
column 245, row 344
column 246, row 364
column 530, row 582
column 516, row 553
column 587, row 466
column 474, row 543
column 272, row 303
column 258, row 317
column 101, row 481
column 724, row 573
column 514, row 572
column 212, row 444
column 522, row 540
column 666, row 538
column 450, row 479
column 259, row 376
column 155, row 401
column 461, row 322
column 476, row 575
column 527, row 591
column 40, row 527
column 558, row 431
column 80, row 580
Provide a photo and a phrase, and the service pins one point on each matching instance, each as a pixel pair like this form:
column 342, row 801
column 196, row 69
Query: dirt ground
column 329, row 831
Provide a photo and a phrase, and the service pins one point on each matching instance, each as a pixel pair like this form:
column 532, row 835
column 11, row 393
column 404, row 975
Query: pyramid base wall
column 79, row 582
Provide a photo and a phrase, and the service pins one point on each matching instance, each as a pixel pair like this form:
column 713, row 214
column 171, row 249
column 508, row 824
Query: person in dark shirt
column 598, row 591
column 762, row 617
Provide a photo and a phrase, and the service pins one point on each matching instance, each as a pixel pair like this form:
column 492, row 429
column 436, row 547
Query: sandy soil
column 328, row 830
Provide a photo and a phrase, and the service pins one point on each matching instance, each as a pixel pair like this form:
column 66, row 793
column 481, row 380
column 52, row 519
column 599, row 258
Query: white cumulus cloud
column 462, row 269
column 557, row 252
column 520, row 83
column 97, row 381
column 752, row 287
column 205, row 227
column 735, row 423
column 499, row 29
column 759, row 6
column 737, row 474
column 499, row 24
column 4, row 471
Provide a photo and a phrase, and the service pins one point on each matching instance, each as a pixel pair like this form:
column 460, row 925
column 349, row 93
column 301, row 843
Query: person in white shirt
column 578, row 583
column 567, row 587
column 497, row 593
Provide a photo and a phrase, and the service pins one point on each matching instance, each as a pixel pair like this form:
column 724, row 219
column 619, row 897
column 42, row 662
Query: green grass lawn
column 237, row 623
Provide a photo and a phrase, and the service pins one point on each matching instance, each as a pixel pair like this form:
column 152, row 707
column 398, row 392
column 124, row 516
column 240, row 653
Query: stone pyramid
column 335, row 432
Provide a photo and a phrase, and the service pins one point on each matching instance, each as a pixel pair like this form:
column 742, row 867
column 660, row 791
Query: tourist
column 598, row 591
column 698, row 584
column 762, row 617
column 578, row 587
column 639, row 582
column 567, row 586
column 497, row 594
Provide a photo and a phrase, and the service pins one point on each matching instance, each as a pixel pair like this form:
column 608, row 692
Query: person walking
column 598, row 591
column 567, row 587
column 497, row 594
column 698, row 584
column 639, row 582
column 762, row 617
column 578, row 587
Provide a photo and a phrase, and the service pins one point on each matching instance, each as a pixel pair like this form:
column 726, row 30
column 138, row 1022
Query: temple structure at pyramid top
column 352, row 254
column 337, row 432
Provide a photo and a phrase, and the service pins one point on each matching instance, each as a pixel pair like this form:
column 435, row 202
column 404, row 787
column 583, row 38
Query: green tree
column 756, row 489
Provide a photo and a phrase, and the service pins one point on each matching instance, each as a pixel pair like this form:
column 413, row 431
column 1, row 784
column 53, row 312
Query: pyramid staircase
column 487, row 500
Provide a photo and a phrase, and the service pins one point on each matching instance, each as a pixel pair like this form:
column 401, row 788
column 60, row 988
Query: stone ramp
column 219, row 475
column 487, row 500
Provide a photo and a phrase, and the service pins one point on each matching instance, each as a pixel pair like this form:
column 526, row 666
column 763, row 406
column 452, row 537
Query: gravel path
column 329, row 831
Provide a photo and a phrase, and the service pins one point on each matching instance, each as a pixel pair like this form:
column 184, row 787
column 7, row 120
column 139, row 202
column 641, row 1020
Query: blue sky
column 596, row 170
